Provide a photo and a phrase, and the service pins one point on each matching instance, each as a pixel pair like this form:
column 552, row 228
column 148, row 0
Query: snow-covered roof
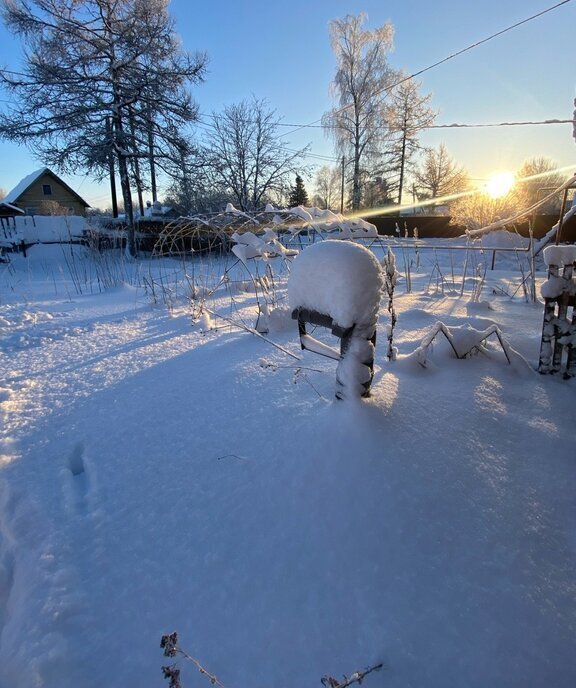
column 13, row 208
column 24, row 184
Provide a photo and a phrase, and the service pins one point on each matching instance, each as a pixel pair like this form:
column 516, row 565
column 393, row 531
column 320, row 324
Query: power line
column 453, row 125
column 449, row 57
column 500, row 124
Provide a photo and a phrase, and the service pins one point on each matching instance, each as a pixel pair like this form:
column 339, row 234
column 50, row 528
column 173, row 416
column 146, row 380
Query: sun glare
column 500, row 184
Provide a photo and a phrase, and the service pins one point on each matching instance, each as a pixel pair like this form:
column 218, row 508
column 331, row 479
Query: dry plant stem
column 251, row 330
column 213, row 679
column 357, row 677
column 305, row 377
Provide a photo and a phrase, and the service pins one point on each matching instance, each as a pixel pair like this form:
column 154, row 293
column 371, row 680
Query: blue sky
column 281, row 52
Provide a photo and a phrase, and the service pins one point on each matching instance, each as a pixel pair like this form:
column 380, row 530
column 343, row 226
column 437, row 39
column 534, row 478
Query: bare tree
column 477, row 210
column 536, row 178
column 248, row 156
column 408, row 113
column 100, row 77
column 327, row 187
column 439, row 175
column 358, row 123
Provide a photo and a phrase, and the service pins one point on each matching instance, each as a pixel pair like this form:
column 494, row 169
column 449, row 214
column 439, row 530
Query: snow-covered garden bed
column 163, row 468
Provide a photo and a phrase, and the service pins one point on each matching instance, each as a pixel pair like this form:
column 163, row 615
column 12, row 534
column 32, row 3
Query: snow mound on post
column 340, row 279
column 563, row 254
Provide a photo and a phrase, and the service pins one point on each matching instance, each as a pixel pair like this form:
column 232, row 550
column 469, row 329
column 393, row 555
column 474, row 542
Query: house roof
column 11, row 208
column 24, row 184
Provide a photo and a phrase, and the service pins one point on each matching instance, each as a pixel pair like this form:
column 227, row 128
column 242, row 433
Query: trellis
column 209, row 231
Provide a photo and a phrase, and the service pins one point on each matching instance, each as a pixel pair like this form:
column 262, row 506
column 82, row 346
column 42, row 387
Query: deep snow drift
column 156, row 474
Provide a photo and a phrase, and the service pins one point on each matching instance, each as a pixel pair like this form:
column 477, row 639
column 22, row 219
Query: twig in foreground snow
column 231, row 456
column 169, row 643
column 251, row 330
column 357, row 677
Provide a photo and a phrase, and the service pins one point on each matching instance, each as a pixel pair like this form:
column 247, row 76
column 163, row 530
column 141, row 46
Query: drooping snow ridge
column 249, row 246
column 334, row 223
column 560, row 255
column 340, row 279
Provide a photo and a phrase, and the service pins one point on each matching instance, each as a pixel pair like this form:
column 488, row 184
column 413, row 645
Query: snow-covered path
column 157, row 478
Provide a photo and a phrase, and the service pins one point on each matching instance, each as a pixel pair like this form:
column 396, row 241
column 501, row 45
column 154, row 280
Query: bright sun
column 500, row 184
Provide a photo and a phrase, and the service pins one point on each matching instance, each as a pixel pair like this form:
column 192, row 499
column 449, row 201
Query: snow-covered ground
column 156, row 474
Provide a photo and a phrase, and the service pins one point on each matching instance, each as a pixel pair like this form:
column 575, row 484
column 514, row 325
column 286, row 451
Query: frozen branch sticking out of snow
column 476, row 233
column 251, row 330
column 357, row 677
column 169, row 643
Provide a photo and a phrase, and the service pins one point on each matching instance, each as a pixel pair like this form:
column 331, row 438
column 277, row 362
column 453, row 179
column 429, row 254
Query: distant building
column 43, row 190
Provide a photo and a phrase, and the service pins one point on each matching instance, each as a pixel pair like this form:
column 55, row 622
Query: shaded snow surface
column 158, row 476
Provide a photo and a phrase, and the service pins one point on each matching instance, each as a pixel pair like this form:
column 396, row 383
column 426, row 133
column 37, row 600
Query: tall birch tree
column 358, row 123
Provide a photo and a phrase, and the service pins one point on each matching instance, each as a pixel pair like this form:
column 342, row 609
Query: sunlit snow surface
column 157, row 474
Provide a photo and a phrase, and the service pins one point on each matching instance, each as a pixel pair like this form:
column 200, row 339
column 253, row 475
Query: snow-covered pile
column 340, row 279
column 502, row 238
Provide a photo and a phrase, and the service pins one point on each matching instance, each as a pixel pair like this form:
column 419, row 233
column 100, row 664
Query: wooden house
column 44, row 193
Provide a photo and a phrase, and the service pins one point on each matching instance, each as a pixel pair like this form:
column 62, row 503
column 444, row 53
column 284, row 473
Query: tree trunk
column 136, row 164
column 125, row 185
column 402, row 161
column 151, row 157
column 111, row 170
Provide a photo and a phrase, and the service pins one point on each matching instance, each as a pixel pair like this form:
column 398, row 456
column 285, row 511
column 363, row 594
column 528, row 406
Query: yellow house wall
column 32, row 199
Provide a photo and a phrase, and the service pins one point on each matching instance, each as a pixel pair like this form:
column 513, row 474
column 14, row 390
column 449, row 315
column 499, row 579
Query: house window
column 46, row 189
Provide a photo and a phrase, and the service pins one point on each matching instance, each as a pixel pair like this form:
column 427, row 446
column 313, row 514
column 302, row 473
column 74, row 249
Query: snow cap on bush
column 340, row 279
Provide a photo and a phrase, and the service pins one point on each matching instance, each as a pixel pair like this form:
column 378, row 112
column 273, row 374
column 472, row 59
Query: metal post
column 562, row 211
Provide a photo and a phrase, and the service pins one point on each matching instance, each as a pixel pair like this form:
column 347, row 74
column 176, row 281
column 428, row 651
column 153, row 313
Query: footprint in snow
column 77, row 483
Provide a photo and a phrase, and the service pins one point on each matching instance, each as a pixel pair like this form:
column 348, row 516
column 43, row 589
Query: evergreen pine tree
column 298, row 194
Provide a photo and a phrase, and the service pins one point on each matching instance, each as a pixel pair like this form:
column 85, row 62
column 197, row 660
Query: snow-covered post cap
column 560, row 255
column 340, row 279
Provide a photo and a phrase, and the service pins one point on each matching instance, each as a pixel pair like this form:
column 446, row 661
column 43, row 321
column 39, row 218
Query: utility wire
column 449, row 57
column 453, row 125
